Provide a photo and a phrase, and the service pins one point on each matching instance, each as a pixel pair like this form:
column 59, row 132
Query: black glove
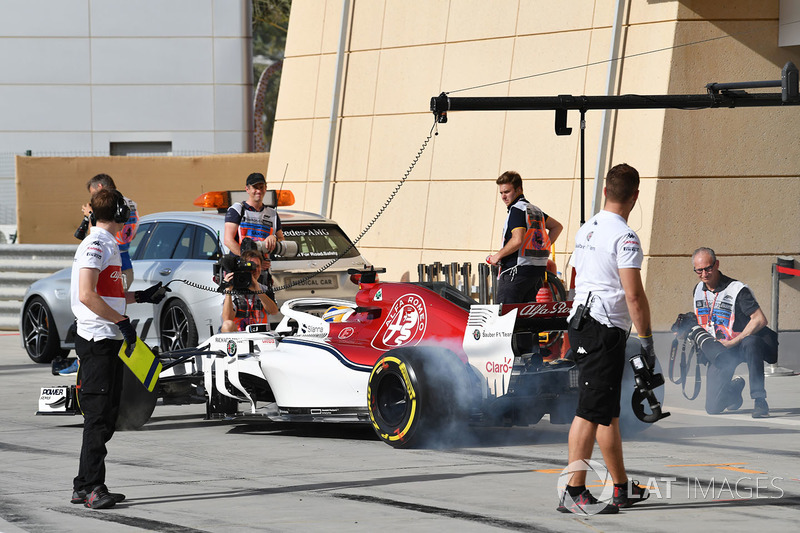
column 151, row 295
column 128, row 333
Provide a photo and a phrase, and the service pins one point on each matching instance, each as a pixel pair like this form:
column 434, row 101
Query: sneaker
column 584, row 504
column 71, row 369
column 99, row 498
column 79, row 496
column 631, row 493
column 761, row 408
column 735, row 389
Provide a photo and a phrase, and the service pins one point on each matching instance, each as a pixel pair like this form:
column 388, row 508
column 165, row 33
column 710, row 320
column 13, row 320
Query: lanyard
column 711, row 319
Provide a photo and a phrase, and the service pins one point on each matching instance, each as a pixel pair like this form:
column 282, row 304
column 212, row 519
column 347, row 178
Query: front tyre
column 418, row 396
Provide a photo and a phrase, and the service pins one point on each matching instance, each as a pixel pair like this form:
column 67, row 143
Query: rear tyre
column 39, row 332
column 178, row 329
column 559, row 294
column 419, row 396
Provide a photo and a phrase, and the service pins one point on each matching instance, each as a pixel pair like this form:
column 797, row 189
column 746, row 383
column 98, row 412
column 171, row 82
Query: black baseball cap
column 254, row 178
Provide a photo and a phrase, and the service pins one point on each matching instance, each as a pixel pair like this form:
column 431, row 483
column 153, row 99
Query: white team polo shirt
column 99, row 251
column 603, row 245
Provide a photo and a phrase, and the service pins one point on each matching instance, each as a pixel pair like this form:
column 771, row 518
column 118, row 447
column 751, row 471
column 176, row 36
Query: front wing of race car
column 285, row 379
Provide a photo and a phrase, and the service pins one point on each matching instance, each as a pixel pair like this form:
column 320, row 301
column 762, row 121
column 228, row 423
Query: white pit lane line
column 776, row 420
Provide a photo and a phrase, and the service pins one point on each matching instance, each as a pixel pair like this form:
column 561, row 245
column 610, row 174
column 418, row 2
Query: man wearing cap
column 252, row 218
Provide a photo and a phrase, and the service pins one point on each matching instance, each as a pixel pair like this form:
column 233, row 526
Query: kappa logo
column 581, row 350
column 404, row 325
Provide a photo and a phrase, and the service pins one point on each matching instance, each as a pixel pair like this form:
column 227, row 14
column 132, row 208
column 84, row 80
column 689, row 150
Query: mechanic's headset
column 121, row 210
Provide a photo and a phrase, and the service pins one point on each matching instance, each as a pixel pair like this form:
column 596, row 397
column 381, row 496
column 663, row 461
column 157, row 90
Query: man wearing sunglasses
column 728, row 310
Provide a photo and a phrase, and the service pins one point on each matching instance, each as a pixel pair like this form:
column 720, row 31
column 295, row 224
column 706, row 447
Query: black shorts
column 600, row 355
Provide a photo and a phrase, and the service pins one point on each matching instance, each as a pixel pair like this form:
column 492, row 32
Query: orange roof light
column 285, row 197
column 213, row 199
column 222, row 200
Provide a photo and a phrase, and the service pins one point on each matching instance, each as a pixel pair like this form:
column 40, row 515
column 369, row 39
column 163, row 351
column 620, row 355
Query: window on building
column 141, row 148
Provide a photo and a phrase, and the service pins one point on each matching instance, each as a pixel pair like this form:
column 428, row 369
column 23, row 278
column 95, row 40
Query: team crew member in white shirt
column 98, row 302
column 608, row 260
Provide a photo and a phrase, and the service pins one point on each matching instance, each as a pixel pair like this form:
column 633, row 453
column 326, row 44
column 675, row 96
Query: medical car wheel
column 178, row 329
column 39, row 332
column 418, row 396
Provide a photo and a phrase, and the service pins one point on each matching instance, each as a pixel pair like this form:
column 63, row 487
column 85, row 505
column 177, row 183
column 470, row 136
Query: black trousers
column 519, row 285
column 99, row 392
column 718, row 376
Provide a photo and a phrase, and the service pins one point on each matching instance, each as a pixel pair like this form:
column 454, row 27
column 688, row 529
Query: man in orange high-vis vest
column 527, row 236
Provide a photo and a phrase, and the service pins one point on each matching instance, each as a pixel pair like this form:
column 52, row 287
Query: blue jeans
column 718, row 376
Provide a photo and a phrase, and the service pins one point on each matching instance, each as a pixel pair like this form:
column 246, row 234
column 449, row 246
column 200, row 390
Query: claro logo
column 404, row 325
column 494, row 367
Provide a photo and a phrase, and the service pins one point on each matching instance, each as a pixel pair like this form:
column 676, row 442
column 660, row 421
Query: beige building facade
column 727, row 179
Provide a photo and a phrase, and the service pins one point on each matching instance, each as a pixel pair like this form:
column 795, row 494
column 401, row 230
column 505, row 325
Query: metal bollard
column 466, row 276
column 483, row 287
column 495, row 270
column 454, row 274
column 433, row 273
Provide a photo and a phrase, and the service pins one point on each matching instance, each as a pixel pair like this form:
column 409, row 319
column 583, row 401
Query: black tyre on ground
column 178, row 329
column 39, row 332
column 419, row 396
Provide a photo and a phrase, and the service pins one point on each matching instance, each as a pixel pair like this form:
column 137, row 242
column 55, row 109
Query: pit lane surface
column 183, row 474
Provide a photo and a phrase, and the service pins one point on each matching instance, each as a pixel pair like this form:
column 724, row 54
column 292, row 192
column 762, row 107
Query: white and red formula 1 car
column 411, row 359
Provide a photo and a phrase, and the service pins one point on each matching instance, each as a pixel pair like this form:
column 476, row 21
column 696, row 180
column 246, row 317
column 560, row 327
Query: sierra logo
column 404, row 325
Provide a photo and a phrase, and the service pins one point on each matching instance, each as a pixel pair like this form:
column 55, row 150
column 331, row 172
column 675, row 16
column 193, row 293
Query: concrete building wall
column 725, row 179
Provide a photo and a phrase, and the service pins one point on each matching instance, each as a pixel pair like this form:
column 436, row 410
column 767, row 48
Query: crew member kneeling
column 727, row 309
column 241, row 309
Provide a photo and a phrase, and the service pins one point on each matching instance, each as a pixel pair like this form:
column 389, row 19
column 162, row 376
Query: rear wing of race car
column 497, row 336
